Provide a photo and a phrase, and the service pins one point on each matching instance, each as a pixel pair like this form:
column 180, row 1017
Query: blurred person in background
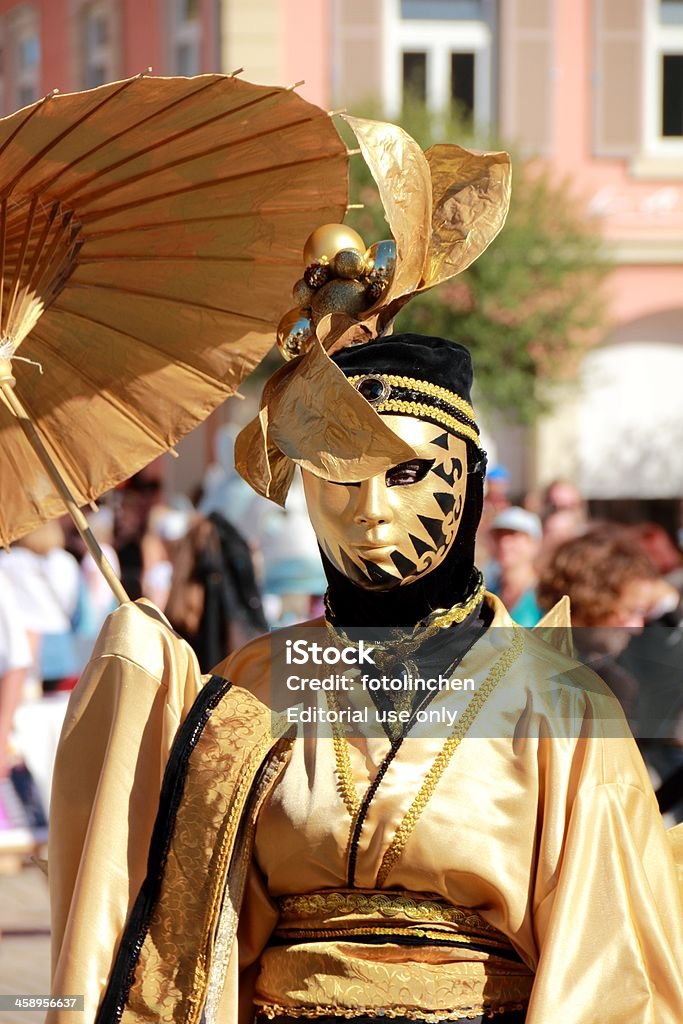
column 282, row 541
column 562, row 495
column 133, row 502
column 662, row 551
column 167, row 525
column 15, row 660
column 560, row 526
column 611, row 586
column 50, row 602
column 101, row 599
column 22, row 814
column 513, row 575
column 655, row 657
column 214, row 602
column 496, row 498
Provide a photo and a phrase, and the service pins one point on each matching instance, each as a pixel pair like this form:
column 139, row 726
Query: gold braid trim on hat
column 425, row 387
column 420, row 409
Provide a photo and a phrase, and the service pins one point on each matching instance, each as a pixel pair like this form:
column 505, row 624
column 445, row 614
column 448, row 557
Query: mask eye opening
column 407, row 473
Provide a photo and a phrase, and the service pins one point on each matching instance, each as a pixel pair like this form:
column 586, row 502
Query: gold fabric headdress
column 444, row 207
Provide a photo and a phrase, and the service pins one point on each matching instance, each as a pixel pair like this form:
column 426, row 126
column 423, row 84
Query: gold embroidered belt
column 362, row 953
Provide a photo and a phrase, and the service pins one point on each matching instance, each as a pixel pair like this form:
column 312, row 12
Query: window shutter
column 357, row 43
column 526, row 73
column 617, row 77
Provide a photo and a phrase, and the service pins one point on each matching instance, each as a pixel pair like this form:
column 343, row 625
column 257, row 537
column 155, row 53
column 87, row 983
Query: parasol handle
column 80, row 522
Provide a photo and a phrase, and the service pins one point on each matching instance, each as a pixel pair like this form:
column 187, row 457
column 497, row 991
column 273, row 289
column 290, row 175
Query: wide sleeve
column 121, row 721
column 608, row 918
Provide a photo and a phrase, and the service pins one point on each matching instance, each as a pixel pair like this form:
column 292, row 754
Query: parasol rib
column 80, row 522
column 169, row 298
column 37, row 157
column 193, row 371
column 38, row 253
column 77, row 195
column 89, row 197
column 68, row 464
column 163, row 443
column 91, row 218
column 8, row 141
column 127, row 257
column 20, row 260
column 49, row 183
column 96, row 236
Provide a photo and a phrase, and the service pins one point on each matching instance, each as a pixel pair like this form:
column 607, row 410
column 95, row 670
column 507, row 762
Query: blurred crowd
column 227, row 565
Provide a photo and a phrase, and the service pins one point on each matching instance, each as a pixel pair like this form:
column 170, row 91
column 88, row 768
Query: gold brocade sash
column 173, row 957
column 387, row 953
column 349, row 912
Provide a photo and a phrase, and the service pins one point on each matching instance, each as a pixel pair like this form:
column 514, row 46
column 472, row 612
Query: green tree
column 531, row 303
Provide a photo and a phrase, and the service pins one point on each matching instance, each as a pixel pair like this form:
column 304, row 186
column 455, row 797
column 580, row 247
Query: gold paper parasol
column 150, row 231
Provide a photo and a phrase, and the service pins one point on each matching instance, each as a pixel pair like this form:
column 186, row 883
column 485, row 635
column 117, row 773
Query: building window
column 672, row 95
column 25, row 50
column 415, row 77
column 462, row 83
column 663, row 77
column 440, row 53
column 185, row 37
column 442, row 10
column 671, row 12
column 97, row 45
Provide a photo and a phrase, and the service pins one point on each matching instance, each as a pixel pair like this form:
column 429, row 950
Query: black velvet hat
column 415, row 375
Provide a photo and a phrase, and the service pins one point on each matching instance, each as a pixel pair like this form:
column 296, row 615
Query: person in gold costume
column 216, row 859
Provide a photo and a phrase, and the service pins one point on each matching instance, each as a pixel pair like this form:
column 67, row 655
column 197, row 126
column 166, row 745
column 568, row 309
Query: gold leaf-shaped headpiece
column 444, row 207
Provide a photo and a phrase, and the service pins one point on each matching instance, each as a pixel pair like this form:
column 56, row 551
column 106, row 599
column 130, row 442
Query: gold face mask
column 393, row 528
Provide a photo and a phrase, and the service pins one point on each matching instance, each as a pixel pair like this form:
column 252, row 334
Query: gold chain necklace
column 347, row 786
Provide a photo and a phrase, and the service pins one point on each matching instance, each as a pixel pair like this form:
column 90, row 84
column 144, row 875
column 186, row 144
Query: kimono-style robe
column 520, row 861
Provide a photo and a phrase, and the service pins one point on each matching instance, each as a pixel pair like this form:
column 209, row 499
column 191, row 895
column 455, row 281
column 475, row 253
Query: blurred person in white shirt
column 15, row 659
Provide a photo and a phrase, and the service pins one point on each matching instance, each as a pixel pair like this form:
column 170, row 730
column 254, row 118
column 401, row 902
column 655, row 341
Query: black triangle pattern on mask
column 403, row 564
column 442, row 441
column 445, row 501
column 349, row 567
column 376, row 574
column 443, row 474
column 420, row 546
column 434, row 528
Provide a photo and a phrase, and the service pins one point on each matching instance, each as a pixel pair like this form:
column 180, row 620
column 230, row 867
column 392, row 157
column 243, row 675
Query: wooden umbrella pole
column 80, row 522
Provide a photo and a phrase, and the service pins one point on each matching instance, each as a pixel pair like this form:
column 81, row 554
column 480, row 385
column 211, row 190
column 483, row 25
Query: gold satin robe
column 552, row 840
column 546, row 844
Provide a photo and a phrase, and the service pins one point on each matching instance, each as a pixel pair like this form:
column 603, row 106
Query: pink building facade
column 78, row 44
column 592, row 87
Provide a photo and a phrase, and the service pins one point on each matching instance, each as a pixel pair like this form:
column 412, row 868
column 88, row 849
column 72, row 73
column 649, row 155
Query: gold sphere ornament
column 302, row 293
column 326, row 241
column 294, row 334
column 349, row 263
column 339, row 296
column 380, row 258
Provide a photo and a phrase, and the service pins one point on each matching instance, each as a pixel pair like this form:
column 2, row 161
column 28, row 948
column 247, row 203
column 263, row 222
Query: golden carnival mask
column 396, row 526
